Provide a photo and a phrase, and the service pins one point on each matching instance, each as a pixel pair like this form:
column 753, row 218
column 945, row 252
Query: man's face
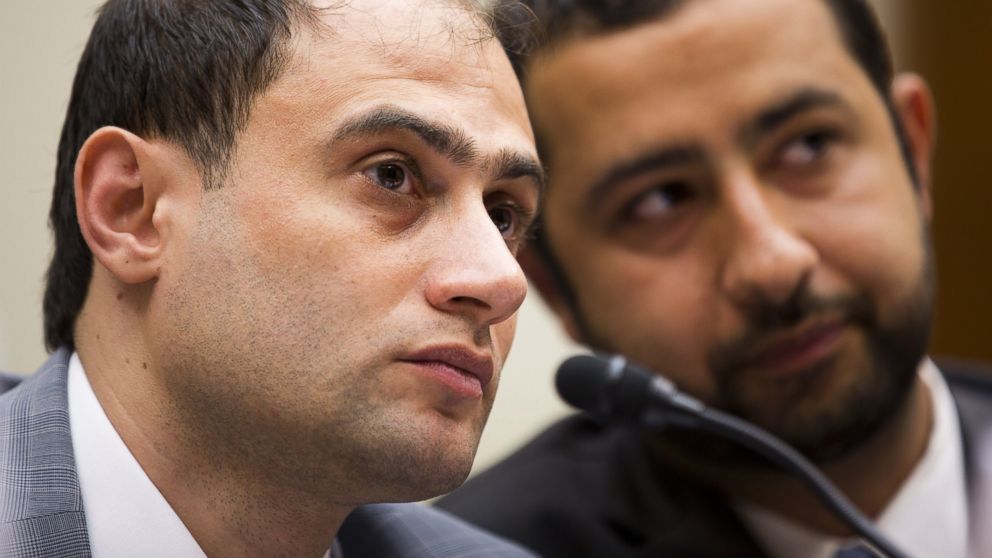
column 348, row 297
column 730, row 206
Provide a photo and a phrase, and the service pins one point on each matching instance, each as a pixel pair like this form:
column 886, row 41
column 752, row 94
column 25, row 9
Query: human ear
column 914, row 107
column 538, row 270
column 115, row 205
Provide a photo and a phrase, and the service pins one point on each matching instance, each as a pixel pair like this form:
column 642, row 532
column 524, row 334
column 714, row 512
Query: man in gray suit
column 283, row 284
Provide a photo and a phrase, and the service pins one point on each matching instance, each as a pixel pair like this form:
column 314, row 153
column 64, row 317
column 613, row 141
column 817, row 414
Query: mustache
column 765, row 318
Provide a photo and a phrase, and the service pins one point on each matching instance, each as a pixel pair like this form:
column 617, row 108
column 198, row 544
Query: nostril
column 470, row 300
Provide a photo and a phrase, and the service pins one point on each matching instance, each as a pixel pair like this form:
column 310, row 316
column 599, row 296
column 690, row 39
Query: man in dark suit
column 739, row 198
column 283, row 285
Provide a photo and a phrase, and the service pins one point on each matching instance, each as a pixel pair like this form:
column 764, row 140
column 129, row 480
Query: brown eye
column 658, row 202
column 807, row 149
column 391, row 176
column 504, row 218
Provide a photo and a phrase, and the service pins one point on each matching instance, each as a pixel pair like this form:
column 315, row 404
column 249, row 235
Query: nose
column 475, row 275
column 766, row 258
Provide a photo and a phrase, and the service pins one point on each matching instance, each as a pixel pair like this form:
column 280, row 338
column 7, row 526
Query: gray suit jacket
column 42, row 513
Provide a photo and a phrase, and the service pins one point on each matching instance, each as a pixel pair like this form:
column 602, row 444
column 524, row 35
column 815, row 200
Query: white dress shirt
column 927, row 517
column 126, row 515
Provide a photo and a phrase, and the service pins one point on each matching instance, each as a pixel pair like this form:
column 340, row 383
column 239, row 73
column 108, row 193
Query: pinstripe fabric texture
column 414, row 531
column 41, row 508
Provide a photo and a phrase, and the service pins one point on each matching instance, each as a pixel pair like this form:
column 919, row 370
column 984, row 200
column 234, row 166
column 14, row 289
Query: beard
column 823, row 427
column 822, row 424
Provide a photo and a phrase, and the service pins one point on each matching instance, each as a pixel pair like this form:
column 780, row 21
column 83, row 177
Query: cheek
column 288, row 233
column 662, row 314
column 502, row 338
column 277, row 276
column 874, row 245
column 313, row 247
column 871, row 229
column 502, row 334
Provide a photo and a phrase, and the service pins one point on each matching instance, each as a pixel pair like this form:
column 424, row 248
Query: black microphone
column 614, row 390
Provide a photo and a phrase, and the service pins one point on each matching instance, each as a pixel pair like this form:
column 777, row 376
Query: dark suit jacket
column 582, row 489
column 42, row 513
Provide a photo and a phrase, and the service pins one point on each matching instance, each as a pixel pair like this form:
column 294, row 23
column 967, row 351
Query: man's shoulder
column 41, row 511
column 14, row 386
column 971, row 385
column 9, row 381
column 24, row 398
column 969, row 377
column 415, row 531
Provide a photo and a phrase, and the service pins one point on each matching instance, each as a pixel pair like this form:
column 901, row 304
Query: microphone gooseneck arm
column 618, row 391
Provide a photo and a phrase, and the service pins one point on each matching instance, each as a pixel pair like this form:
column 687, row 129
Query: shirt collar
column 912, row 519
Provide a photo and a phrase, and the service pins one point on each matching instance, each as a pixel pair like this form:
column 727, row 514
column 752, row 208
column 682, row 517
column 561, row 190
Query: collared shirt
column 927, row 517
column 126, row 515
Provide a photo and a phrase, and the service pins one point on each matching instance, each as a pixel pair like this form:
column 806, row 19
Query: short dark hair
column 530, row 25
column 182, row 70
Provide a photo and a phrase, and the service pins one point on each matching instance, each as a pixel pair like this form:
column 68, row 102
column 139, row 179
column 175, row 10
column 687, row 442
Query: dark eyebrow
column 797, row 103
column 659, row 159
column 448, row 141
column 508, row 164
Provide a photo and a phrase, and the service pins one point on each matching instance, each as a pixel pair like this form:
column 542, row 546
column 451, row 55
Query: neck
column 231, row 506
column 870, row 476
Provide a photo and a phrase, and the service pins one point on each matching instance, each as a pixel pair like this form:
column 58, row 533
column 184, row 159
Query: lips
column 458, row 357
column 797, row 349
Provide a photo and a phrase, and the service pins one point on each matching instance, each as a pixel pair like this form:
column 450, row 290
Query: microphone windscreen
column 611, row 389
column 582, row 380
column 632, row 393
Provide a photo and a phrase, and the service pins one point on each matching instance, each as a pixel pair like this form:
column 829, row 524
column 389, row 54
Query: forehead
column 420, row 35
column 699, row 68
column 432, row 57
